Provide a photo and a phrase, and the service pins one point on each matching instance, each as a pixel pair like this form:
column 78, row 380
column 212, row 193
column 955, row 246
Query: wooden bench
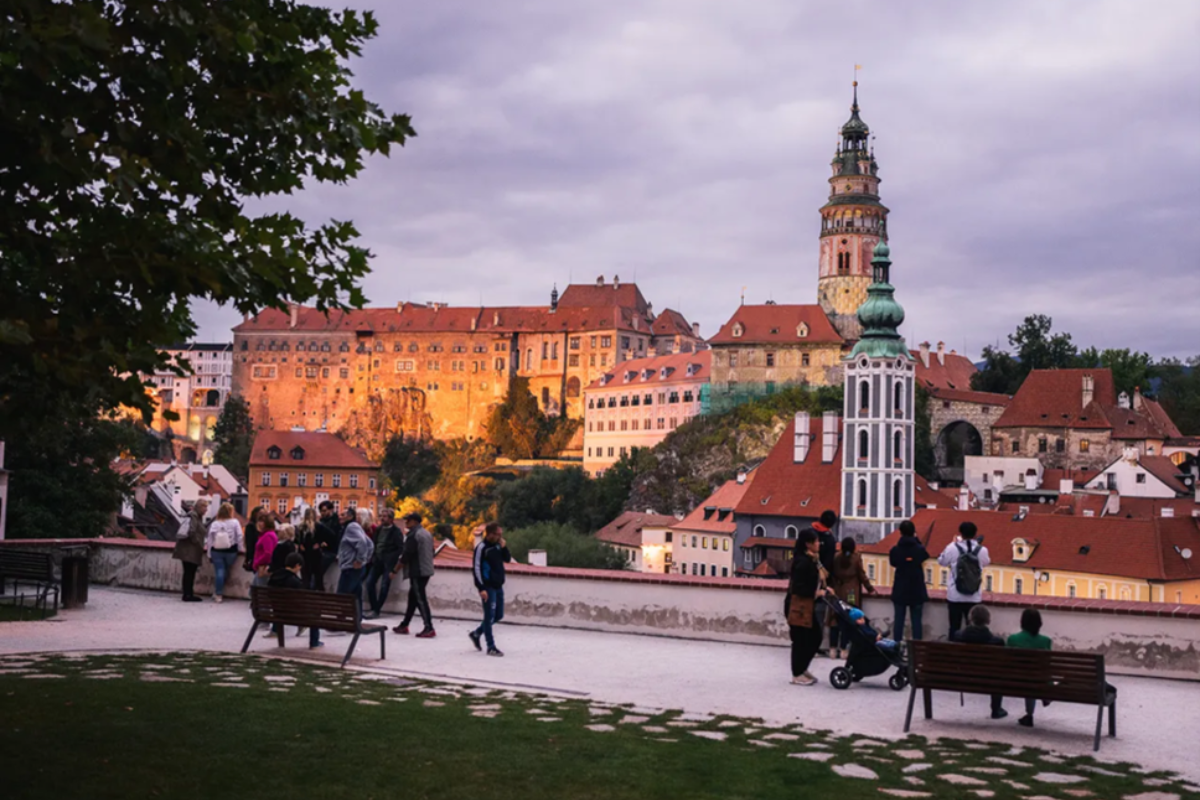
column 32, row 569
column 1054, row 675
column 305, row 609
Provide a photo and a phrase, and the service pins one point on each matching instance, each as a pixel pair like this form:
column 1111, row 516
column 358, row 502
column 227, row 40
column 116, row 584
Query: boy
column 860, row 619
column 491, row 555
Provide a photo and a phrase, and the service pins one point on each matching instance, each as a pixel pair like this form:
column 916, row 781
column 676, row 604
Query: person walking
column 849, row 581
column 1030, row 638
column 978, row 632
column 389, row 544
column 189, row 547
column 264, row 548
column 491, row 554
column 966, row 560
column 291, row 577
column 806, row 585
column 250, row 537
column 417, row 560
column 909, row 593
column 223, row 543
column 354, row 553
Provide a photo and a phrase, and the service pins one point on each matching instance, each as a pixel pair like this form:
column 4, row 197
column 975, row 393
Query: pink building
column 638, row 403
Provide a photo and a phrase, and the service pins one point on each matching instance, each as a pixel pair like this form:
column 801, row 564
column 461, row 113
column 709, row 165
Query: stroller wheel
column 898, row 681
column 840, row 678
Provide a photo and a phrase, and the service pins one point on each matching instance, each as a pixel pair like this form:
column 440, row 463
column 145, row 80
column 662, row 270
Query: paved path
column 1158, row 720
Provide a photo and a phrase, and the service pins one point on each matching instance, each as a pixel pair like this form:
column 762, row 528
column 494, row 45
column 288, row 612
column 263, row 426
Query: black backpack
column 968, row 573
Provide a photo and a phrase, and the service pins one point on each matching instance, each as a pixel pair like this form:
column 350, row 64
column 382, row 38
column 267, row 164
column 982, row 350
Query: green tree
column 924, row 461
column 411, row 465
column 1130, row 369
column 518, row 429
column 1001, row 373
column 131, row 135
column 1038, row 348
column 564, row 546
column 1179, row 392
column 233, row 437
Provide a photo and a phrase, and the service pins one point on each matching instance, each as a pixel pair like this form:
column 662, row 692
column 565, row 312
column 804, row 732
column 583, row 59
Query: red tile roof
column 769, row 541
column 604, row 295
column 1165, row 470
column 1130, row 548
column 954, row 374
column 726, row 497
column 1053, row 398
column 1052, row 478
column 776, row 324
column 671, row 323
column 320, row 450
column 1148, row 423
column 676, row 365
column 1183, row 441
column 1151, row 507
column 626, row 530
column 967, row 396
column 783, row 488
column 763, row 570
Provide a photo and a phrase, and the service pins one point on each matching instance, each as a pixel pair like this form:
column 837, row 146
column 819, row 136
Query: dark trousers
column 320, row 567
column 189, row 579
column 900, row 609
column 493, row 612
column 376, row 594
column 805, row 642
column 350, row 581
column 417, row 601
column 958, row 615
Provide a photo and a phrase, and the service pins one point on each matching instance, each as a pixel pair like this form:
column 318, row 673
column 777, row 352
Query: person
column 223, row 543
column 806, row 585
column 909, row 593
column 417, row 560
column 881, row 641
column 1030, row 638
column 250, row 537
column 329, row 537
column 389, row 544
column 849, row 580
column 354, row 553
column 264, row 548
column 307, row 545
column 966, row 559
column 189, row 547
column 823, row 528
column 284, row 547
column 491, row 554
column 977, row 632
column 291, row 577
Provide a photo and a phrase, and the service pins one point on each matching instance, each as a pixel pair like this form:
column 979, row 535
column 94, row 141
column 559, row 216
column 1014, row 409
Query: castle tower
column 880, row 404
column 852, row 223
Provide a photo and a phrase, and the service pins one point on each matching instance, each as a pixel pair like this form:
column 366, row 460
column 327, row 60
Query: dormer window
column 709, row 511
column 802, row 330
column 738, row 330
column 297, row 453
column 274, row 453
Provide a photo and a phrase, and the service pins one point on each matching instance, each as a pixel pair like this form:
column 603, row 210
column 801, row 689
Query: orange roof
column 1151, row 507
column 784, row 488
column 725, row 498
column 671, row 323
column 769, row 541
column 1052, row 478
column 1132, row 548
column 1166, row 471
column 626, row 530
column 605, row 295
column 1053, row 398
column 954, row 374
column 676, row 366
column 776, row 324
column 968, row 396
column 320, row 450
column 1149, row 423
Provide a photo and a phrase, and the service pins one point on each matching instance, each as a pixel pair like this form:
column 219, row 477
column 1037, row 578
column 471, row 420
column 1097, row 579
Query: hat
column 856, row 614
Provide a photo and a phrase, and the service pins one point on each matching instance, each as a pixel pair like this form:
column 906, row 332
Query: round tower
column 852, row 223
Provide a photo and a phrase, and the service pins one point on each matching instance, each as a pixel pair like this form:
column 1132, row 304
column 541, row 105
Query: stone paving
column 733, row 694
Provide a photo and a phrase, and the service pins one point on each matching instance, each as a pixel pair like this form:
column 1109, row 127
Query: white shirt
column 949, row 558
column 231, row 527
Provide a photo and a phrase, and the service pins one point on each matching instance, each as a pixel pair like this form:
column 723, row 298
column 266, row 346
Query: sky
column 1036, row 157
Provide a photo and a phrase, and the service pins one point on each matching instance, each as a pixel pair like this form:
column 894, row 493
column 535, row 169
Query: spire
column 880, row 316
column 855, row 131
column 554, row 298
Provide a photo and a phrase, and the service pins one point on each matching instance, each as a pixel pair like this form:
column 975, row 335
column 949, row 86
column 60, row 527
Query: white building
column 988, row 476
column 1136, row 475
column 197, row 398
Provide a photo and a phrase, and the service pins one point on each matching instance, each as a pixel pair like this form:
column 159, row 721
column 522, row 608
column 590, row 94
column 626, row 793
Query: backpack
column 222, row 539
column 185, row 528
column 968, row 574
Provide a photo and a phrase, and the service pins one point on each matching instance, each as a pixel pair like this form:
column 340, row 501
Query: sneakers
column 428, row 634
column 315, row 646
column 492, row 651
column 218, row 598
column 301, row 631
column 474, row 637
column 1000, row 713
column 401, row 629
column 804, row 680
column 1026, row 721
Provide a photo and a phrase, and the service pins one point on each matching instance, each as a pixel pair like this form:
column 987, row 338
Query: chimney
column 1031, row 481
column 1089, row 390
column 741, row 477
column 600, row 280
column 1066, row 486
column 802, row 439
column 294, row 314
column 964, row 499
column 696, row 329
column 1113, row 506
column 616, row 281
column 495, row 319
column 1137, row 398
column 923, row 349
column 829, row 436
column 941, row 353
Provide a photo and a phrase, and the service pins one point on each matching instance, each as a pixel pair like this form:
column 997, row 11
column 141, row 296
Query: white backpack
column 185, row 528
column 222, row 538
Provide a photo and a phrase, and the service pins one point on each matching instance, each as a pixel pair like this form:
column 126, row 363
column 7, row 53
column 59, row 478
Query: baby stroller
column 866, row 659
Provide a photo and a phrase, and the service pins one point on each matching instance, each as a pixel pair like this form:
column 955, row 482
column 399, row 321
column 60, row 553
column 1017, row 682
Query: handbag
column 800, row 611
column 185, row 528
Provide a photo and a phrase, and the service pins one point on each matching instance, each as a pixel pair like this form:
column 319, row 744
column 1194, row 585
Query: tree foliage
column 1001, row 373
column 411, row 465
column 1130, row 369
column 1035, row 346
column 924, row 461
column 566, row 497
column 233, row 437
column 1179, row 392
column 518, row 429
column 131, row 134
column 564, row 547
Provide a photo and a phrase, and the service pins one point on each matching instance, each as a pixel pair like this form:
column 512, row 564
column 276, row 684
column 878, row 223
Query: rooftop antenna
column 743, row 295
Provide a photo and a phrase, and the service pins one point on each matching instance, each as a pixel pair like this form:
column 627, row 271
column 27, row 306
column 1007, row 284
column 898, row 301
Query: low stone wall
column 1136, row 638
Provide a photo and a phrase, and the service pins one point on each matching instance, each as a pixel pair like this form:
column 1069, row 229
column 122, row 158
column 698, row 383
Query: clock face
column 849, row 188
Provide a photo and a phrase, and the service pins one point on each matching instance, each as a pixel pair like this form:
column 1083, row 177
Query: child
column 289, row 578
column 860, row 619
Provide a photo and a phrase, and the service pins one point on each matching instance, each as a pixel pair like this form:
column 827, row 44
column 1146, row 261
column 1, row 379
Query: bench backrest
column 334, row 612
column 26, row 565
column 1064, row 676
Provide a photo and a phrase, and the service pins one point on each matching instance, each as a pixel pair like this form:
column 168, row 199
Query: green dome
column 882, row 251
column 881, row 316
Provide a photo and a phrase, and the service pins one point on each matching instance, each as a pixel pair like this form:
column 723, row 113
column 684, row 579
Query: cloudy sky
column 1036, row 157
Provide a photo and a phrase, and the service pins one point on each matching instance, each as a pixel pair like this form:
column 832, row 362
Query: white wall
column 1013, row 469
column 1127, row 471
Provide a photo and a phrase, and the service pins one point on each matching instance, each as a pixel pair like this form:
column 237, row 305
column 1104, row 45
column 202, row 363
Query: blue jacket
column 489, row 564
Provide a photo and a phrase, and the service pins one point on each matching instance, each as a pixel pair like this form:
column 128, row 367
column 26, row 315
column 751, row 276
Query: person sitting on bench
column 977, row 632
column 289, row 578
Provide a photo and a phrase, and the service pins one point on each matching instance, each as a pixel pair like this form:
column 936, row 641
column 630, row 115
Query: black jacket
column 829, row 547
column 389, row 544
column 976, row 634
column 279, row 556
column 249, row 538
column 488, row 565
column 285, row 579
column 908, row 558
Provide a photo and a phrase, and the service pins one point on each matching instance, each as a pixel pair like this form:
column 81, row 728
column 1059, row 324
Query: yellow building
column 1050, row 555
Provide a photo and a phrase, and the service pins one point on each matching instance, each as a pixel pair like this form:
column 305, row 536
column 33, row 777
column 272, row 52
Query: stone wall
column 944, row 413
column 824, row 366
column 1101, row 449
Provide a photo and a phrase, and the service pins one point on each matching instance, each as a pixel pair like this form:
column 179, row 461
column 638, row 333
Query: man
column 417, row 560
column 389, row 544
column 965, row 559
column 978, row 632
column 354, row 553
column 289, row 578
column 491, row 555
column 328, row 537
column 824, row 531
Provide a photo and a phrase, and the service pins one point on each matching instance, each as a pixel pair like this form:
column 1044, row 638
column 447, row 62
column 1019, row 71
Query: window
column 274, row 453
column 864, row 446
column 1141, row 477
column 344, row 373
column 1102, row 593
column 281, row 504
column 337, row 480
column 606, row 341
column 804, row 359
column 1071, row 589
column 790, row 532
column 704, row 542
column 264, row 372
column 770, row 359
column 624, row 342
column 662, row 424
column 354, row 481
column 725, row 545
column 1060, row 445
column 574, row 343
column 1042, row 445
column 929, row 575
column 573, row 360
column 898, row 496
column 724, row 572
column 871, row 571
column 266, row 479
column 1084, row 445
column 898, row 448
column 302, row 479
column 1019, row 586
column 283, row 479
column 694, row 538
column 1111, row 481
column 862, row 495
column 319, row 479
column 405, row 366
column 337, row 506
column 943, row 576
column 898, row 405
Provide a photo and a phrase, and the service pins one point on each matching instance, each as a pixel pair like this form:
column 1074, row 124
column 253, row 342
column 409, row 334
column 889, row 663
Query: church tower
column 852, row 223
column 880, row 406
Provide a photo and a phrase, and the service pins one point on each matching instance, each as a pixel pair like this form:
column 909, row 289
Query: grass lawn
column 188, row 725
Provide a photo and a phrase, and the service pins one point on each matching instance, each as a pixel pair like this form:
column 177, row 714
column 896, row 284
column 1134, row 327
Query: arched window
column 862, row 495
column 899, row 404
column 759, row 530
column 864, row 445
column 1125, row 593
column 790, row 532
column 864, row 397
column 1102, row 593
column 897, row 496
column 898, row 447
column 1071, row 591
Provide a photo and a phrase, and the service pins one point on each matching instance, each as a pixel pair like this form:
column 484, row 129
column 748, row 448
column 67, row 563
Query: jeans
column 493, row 612
column 916, row 610
column 350, row 581
column 189, row 579
column 378, row 572
column 958, row 615
column 222, row 561
column 417, row 601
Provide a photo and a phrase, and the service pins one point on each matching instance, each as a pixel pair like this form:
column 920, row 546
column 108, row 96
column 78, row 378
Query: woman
column 264, row 548
column 806, row 585
column 848, row 580
column 1030, row 638
column 190, row 548
column 285, row 545
column 909, row 594
column 250, row 539
column 223, row 543
column 309, row 547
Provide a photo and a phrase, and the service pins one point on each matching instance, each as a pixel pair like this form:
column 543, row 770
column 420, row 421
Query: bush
column 565, row 547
